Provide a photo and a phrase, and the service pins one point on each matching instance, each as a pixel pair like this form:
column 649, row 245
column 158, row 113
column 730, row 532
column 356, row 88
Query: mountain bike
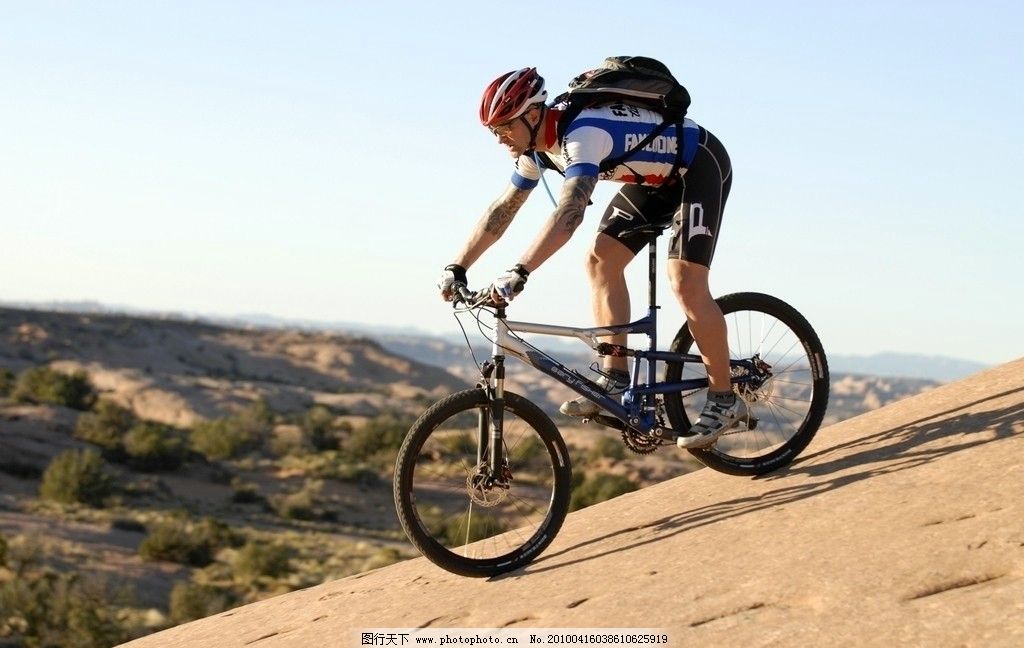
column 483, row 478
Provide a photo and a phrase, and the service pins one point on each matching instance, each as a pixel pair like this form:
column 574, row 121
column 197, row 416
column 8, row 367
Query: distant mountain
column 906, row 365
column 444, row 350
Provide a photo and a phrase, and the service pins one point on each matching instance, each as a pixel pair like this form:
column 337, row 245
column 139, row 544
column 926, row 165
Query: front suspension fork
column 490, row 426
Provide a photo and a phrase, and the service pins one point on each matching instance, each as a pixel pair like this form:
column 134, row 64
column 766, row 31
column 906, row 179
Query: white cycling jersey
column 609, row 131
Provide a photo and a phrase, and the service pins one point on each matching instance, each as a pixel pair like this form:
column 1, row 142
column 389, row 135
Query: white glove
column 453, row 274
column 510, row 283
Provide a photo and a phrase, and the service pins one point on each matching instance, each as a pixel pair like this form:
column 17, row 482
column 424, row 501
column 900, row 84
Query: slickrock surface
column 904, row 526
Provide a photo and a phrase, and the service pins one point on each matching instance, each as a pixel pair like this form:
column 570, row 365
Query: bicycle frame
column 636, row 408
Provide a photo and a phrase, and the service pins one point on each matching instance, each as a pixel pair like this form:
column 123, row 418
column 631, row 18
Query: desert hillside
column 179, row 372
column 903, row 526
column 236, row 464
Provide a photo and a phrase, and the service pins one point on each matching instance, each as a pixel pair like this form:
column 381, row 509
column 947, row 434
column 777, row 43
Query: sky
column 324, row 161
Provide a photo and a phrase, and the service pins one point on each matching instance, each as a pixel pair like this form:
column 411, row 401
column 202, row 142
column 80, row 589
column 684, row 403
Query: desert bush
column 244, row 492
column 228, row 437
column 3, row 551
column 187, row 543
column 382, row 558
column 261, row 559
column 357, row 473
column 44, row 385
column 318, row 427
column 191, row 601
column 76, row 476
column 105, row 426
column 42, row 608
column 152, row 447
column 7, row 381
column 377, row 441
column 220, row 439
column 301, row 504
column 599, row 488
column 127, row 524
column 288, row 440
column 607, row 447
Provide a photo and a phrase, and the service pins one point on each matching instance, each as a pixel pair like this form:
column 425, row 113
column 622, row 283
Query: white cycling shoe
column 584, row 408
column 714, row 421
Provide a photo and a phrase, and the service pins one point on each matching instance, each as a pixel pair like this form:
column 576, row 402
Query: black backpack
column 633, row 80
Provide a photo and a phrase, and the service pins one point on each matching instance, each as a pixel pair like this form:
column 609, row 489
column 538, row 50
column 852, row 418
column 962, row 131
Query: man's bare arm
column 492, row 225
column 567, row 217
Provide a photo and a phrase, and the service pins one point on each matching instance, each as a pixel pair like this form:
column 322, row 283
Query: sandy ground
column 903, row 526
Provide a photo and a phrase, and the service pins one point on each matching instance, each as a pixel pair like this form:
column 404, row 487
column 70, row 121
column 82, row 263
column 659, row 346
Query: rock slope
column 902, row 526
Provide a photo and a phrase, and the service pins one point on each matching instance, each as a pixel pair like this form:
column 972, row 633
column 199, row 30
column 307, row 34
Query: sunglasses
column 503, row 130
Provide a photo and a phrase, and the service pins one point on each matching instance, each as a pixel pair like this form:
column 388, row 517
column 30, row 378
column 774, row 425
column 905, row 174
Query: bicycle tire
column 719, row 456
column 408, row 501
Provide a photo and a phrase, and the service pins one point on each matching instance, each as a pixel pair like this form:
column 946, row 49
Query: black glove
column 453, row 274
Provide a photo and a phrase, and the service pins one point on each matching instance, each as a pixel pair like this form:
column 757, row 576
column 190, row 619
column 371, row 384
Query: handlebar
column 473, row 298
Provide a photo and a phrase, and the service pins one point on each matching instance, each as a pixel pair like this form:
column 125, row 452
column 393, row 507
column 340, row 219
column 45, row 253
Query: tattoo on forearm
column 575, row 196
column 504, row 209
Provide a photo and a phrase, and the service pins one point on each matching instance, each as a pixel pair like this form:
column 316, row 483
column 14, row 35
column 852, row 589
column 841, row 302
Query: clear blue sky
column 323, row 160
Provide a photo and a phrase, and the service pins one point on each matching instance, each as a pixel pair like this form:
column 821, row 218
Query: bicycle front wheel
column 789, row 401
column 454, row 512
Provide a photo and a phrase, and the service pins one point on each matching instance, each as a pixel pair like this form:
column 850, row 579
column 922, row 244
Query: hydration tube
column 541, row 169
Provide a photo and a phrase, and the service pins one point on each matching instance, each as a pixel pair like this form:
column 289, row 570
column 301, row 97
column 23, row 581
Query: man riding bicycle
column 692, row 200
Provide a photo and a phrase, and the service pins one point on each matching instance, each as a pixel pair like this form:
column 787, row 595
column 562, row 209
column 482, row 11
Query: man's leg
column 606, row 267
column 690, row 284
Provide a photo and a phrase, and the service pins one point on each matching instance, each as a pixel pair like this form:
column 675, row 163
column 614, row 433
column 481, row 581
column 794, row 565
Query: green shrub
column 301, row 504
column 289, row 441
column 318, row 427
column 190, row 601
column 229, row 437
column 3, row 551
column 382, row 558
column 261, row 559
column 106, row 426
column 599, row 488
column 186, row 543
column 220, row 439
column 608, row 447
column 152, row 447
column 379, row 439
column 44, row 385
column 244, row 492
column 67, row 610
column 7, row 382
column 76, row 476
column 127, row 524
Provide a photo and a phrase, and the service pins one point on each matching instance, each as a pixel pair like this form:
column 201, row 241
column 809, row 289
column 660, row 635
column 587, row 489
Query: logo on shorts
column 624, row 215
column 697, row 226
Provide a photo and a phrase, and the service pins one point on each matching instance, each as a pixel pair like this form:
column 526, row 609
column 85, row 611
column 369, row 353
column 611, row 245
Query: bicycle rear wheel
column 448, row 508
column 789, row 404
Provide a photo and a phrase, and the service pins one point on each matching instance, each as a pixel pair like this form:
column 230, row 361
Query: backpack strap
column 611, row 163
column 678, row 163
column 545, row 162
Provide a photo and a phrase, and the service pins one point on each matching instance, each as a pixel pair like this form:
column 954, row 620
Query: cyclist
column 513, row 108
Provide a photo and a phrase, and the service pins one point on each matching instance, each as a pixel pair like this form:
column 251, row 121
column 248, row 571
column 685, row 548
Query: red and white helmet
column 510, row 95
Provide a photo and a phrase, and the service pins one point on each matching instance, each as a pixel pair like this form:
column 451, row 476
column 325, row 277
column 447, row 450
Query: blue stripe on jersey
column 581, row 169
column 523, row 183
column 627, row 134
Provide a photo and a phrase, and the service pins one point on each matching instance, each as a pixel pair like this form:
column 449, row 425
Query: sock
column 725, row 399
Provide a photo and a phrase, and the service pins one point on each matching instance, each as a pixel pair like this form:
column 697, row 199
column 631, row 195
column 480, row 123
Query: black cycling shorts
column 693, row 206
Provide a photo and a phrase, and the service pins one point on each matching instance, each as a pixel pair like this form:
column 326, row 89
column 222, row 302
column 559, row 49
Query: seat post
column 652, row 264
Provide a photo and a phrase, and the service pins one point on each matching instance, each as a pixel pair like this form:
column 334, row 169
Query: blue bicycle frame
column 636, row 407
